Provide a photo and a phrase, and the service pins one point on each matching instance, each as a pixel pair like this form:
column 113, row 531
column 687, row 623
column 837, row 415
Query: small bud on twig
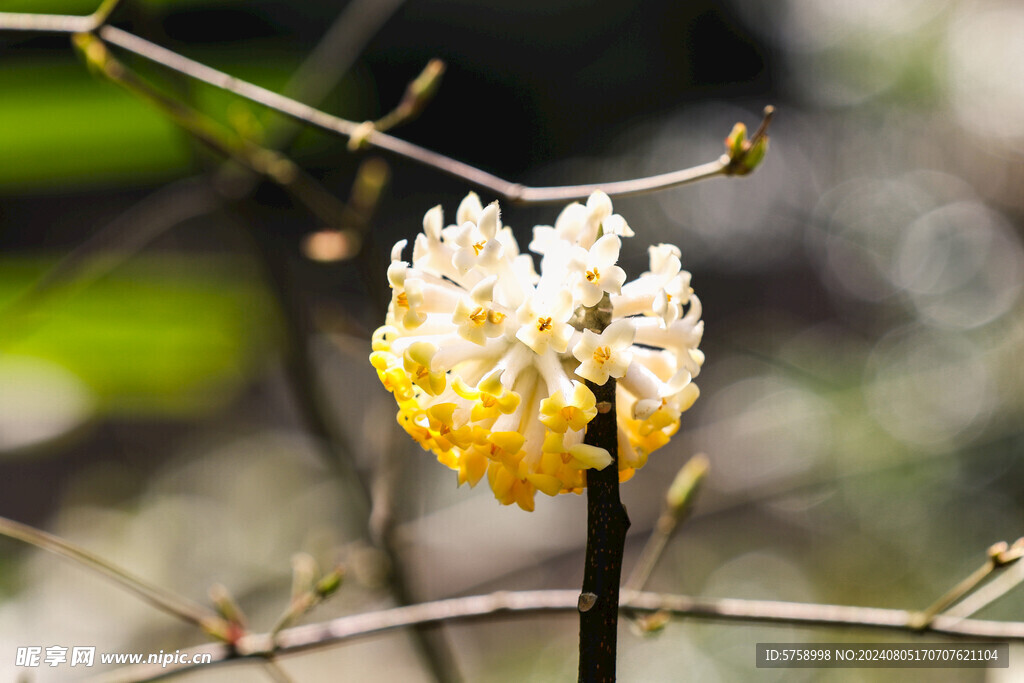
column 329, row 583
column 686, row 483
column 743, row 155
column 649, row 624
column 226, row 606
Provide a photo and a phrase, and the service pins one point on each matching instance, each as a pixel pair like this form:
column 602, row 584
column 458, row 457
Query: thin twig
column 986, row 595
column 338, row 48
column 524, row 603
column 46, row 23
column 265, row 162
column 513, row 192
column 321, row 70
column 311, row 401
column 417, row 94
column 999, row 557
column 103, row 12
column 678, row 503
column 160, row 598
column 277, row 674
column 259, row 160
column 309, row 393
column 58, row 23
column 106, row 249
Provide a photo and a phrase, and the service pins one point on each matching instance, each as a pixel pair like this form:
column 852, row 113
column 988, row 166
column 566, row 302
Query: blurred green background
column 862, row 402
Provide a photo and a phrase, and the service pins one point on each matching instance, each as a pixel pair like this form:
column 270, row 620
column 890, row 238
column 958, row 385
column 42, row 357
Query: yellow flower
column 558, row 415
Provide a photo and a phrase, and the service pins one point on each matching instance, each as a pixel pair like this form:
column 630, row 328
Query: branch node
column 586, row 602
column 360, row 138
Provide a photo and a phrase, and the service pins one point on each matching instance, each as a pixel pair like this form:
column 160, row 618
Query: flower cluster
column 487, row 359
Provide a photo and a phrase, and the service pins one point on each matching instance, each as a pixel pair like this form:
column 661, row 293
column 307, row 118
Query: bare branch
column 339, row 48
column 513, row 192
column 999, row 556
column 106, row 248
column 103, row 12
column 274, row 671
column 537, row 602
column 58, row 23
column 678, row 503
column 46, row 23
column 160, row 598
column 985, row 596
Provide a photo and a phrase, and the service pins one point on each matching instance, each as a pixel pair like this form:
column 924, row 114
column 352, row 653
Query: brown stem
column 607, row 523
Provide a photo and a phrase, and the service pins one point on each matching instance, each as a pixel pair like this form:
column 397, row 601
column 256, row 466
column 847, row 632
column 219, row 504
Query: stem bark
column 607, row 523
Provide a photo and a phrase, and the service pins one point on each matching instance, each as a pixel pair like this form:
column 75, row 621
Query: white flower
column 488, row 371
column 607, row 354
column 600, row 274
column 662, row 291
column 543, row 323
column 476, row 316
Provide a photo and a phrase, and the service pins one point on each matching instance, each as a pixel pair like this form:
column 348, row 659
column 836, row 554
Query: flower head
column 487, row 360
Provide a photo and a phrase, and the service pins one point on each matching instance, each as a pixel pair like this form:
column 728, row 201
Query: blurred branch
column 275, row 672
column 339, row 48
column 526, row 603
column 58, row 23
column 271, row 164
column 678, row 503
column 312, row 404
column 983, row 597
column 339, row 243
column 103, row 12
column 160, row 598
column 733, row 163
column 266, row 162
column 309, row 589
column 301, row 372
column 107, row 248
column 999, row 557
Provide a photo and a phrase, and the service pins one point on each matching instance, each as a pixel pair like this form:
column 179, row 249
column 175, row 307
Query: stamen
column 602, row 354
column 593, row 275
column 543, row 324
column 479, row 316
column 479, row 246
